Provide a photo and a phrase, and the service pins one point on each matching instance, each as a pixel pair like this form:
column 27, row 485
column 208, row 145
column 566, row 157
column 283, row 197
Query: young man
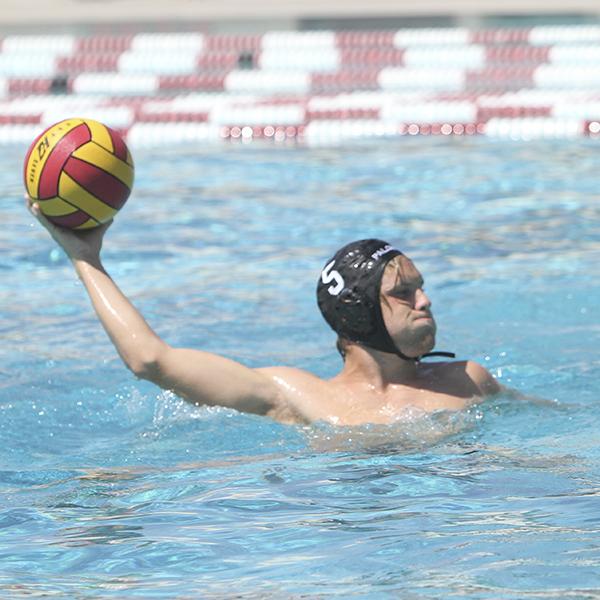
column 372, row 296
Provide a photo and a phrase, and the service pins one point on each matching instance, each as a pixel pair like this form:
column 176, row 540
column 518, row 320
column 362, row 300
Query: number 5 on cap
column 329, row 276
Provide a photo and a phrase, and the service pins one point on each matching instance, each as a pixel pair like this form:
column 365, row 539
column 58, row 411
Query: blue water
column 111, row 488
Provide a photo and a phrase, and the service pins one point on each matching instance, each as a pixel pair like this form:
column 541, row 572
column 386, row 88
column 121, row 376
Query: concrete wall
column 260, row 15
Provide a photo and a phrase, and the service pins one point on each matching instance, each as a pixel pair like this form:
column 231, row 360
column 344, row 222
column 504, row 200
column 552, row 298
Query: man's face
column 406, row 308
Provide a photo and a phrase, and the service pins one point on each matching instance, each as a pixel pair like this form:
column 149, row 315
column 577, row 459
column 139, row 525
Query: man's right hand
column 84, row 245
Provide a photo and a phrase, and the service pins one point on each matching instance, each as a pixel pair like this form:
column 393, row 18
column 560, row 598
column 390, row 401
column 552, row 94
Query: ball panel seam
column 97, row 182
column 58, row 157
column 97, row 156
column 74, row 193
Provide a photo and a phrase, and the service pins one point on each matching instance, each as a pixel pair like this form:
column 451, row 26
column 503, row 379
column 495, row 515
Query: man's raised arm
column 199, row 377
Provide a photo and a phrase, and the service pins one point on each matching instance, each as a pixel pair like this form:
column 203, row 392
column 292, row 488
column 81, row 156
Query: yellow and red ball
column 80, row 172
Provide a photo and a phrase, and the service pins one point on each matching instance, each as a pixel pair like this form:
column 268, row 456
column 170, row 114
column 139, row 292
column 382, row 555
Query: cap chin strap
column 418, row 358
column 392, row 349
column 446, row 354
column 404, row 357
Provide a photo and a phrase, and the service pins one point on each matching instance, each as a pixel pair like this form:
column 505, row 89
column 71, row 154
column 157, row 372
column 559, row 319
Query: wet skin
column 378, row 387
column 372, row 387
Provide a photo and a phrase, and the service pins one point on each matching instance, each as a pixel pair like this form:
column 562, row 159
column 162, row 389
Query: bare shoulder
column 288, row 372
column 292, row 380
column 472, row 375
column 482, row 378
column 300, row 392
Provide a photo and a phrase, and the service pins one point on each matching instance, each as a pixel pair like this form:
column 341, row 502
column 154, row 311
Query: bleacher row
column 319, row 87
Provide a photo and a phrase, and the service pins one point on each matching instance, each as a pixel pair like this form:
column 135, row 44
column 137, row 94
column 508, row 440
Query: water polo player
column 369, row 292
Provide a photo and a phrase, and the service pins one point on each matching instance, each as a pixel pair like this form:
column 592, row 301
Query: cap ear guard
column 355, row 315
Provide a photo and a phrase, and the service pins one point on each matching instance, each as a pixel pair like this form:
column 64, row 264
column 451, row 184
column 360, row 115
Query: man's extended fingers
column 34, row 209
column 28, row 202
column 32, row 206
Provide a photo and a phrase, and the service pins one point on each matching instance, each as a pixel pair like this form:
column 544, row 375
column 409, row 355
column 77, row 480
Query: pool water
column 111, row 488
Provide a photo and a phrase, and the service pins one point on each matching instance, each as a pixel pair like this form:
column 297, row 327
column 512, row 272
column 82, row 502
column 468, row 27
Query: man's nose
column 422, row 301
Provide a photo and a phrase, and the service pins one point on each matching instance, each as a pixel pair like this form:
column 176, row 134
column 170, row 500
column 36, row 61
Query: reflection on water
column 100, row 534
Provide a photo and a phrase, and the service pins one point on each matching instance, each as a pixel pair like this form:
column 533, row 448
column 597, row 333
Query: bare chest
column 307, row 398
column 351, row 407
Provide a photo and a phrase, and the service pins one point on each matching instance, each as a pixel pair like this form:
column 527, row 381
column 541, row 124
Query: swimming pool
column 111, row 488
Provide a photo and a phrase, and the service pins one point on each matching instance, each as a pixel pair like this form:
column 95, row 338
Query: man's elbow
column 143, row 369
column 147, row 364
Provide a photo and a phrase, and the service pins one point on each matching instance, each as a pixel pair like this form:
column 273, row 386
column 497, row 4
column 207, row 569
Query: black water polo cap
column 348, row 293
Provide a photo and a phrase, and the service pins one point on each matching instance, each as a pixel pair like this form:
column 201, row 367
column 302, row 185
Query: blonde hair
column 398, row 265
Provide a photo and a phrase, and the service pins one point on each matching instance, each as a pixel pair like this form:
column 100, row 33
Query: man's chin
column 423, row 347
column 428, row 344
column 425, row 331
